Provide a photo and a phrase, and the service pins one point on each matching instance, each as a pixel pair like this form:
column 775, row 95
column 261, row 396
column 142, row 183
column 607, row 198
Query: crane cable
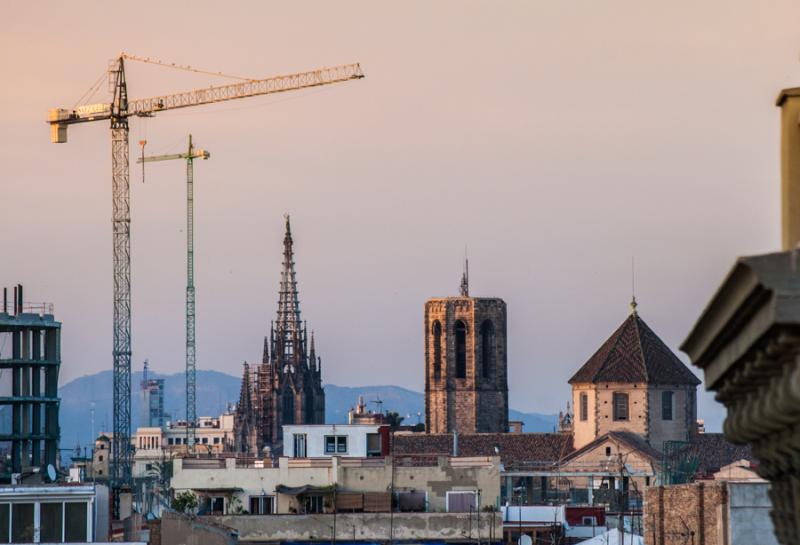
column 187, row 68
column 85, row 97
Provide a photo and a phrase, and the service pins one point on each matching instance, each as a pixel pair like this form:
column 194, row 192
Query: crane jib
column 60, row 118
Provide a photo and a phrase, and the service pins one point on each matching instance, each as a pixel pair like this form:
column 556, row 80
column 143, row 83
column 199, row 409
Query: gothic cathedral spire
column 289, row 339
column 288, row 383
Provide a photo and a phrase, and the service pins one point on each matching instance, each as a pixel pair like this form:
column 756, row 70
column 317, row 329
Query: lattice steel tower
column 117, row 112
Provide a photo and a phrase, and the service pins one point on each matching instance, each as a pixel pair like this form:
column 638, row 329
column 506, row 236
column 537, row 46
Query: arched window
column 461, row 349
column 487, row 348
column 437, row 349
column 309, row 408
column 288, row 407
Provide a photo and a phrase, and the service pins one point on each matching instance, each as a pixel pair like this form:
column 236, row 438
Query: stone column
column 747, row 341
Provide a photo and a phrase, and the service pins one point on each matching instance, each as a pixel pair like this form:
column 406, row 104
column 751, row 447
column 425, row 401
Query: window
column 335, row 444
column 437, row 349
column 300, row 442
column 262, row 505
column 100, row 458
column 373, row 444
column 205, row 440
column 22, row 522
column 312, row 504
column 215, row 505
column 588, row 521
column 487, row 348
column 170, row 441
column 666, row 405
column 288, row 407
column 620, row 406
column 4, row 529
column 308, row 410
column 411, row 501
column 50, row 522
column 216, row 440
column 461, row 349
column 462, row 502
column 608, row 451
column 584, row 409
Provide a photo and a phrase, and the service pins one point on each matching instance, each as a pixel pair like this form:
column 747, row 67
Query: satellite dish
column 51, row 473
column 525, row 539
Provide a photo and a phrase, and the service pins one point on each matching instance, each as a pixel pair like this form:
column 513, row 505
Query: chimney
column 789, row 103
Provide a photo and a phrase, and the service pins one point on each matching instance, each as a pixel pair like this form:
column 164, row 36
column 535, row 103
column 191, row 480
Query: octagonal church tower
column 635, row 383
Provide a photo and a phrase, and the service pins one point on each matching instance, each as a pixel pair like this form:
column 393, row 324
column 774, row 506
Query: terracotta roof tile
column 514, row 447
column 634, row 353
column 630, row 439
column 714, row 451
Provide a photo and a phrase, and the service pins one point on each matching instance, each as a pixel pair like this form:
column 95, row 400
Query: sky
column 556, row 141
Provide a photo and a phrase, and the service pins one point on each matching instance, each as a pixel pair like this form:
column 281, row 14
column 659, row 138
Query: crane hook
column 142, row 144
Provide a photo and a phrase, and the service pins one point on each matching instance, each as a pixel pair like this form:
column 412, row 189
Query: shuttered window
column 584, row 408
column 620, row 406
column 666, row 405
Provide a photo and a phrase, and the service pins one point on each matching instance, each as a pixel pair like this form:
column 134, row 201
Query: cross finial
column 634, row 304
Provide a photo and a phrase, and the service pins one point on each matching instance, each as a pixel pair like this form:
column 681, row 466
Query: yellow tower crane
column 117, row 113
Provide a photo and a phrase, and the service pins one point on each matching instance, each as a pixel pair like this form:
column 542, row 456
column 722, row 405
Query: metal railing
column 29, row 308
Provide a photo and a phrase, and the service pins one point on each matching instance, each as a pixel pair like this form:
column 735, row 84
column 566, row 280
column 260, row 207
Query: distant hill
column 216, row 390
column 408, row 403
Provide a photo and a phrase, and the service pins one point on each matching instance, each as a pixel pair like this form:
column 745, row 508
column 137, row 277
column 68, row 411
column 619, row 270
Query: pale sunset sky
column 557, row 140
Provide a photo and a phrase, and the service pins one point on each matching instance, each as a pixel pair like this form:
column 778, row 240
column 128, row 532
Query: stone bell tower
column 466, row 385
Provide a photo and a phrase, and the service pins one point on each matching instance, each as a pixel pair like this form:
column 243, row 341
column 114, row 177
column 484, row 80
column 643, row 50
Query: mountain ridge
column 216, row 391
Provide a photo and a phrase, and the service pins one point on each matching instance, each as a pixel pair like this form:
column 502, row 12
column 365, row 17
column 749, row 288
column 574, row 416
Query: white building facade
column 48, row 514
column 325, row 440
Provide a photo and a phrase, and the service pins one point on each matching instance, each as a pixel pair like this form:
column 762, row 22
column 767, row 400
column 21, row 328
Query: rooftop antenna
column 144, row 375
column 379, row 403
column 91, row 412
column 634, row 304
column 465, row 276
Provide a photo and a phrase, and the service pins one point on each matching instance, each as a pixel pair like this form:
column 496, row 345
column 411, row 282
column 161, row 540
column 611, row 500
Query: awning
column 303, row 490
column 220, row 490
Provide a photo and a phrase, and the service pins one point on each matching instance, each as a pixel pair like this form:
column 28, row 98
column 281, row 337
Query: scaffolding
column 679, row 463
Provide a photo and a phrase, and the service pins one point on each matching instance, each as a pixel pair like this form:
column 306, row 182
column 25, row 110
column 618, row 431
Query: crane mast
column 191, row 355
column 121, row 452
column 118, row 112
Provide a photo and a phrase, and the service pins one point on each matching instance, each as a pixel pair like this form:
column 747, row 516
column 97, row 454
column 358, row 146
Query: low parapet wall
column 366, row 527
column 177, row 529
